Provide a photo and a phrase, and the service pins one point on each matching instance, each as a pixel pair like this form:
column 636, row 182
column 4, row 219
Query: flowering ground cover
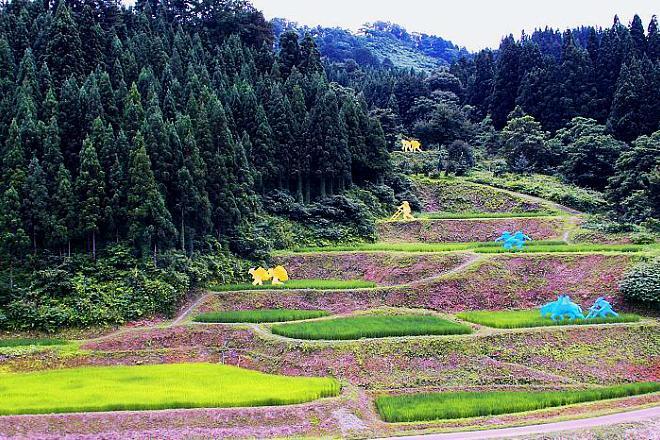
column 532, row 318
column 470, row 230
column 297, row 284
column 153, row 387
column 262, row 315
column 434, row 406
column 371, row 326
column 383, row 268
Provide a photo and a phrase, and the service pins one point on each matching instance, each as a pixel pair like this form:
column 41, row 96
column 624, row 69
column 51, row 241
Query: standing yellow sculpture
column 413, row 145
column 259, row 276
column 403, row 212
column 279, row 275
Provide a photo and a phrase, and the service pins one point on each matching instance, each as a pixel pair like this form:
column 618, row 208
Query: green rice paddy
column 455, row 405
column 533, row 318
column 257, row 316
column 28, row 342
column 151, row 387
column 371, row 326
column 297, row 284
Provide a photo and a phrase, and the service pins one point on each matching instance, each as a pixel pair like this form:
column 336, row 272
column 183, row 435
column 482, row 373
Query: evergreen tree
column 35, row 204
column 90, row 187
column 64, row 52
column 289, row 56
column 149, row 221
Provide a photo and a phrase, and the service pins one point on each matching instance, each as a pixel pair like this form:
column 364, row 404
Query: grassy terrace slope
column 383, row 268
column 153, row 387
column 465, row 230
column 459, row 195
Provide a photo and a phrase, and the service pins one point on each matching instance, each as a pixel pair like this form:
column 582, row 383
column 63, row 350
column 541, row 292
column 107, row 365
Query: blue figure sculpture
column 562, row 308
column 505, row 238
column 516, row 240
column 601, row 309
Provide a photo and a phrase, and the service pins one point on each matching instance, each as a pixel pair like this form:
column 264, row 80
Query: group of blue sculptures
column 511, row 241
column 565, row 308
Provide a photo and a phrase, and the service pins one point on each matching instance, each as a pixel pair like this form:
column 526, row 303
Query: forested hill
column 379, row 43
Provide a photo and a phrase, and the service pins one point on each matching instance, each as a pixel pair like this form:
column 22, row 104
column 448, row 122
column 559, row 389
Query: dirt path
column 535, row 199
column 549, row 428
column 474, row 258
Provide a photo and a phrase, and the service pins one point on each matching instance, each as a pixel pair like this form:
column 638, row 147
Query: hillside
column 377, row 43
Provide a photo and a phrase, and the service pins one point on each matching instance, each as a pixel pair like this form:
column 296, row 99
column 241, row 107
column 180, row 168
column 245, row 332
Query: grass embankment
column 533, row 318
column 31, row 342
column 483, row 248
column 257, row 316
column 151, row 387
column 371, row 326
column 485, row 215
column 450, row 405
column 297, row 284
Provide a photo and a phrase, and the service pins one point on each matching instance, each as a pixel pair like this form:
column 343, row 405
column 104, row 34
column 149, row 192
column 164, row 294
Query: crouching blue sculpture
column 601, row 309
column 516, row 240
column 562, row 308
column 565, row 308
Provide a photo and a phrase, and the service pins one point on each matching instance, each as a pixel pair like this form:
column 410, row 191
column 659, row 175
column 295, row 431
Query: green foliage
column 297, row 284
column 258, row 316
column 30, row 342
column 525, row 146
column 371, row 326
column 455, row 405
column 533, row 318
column 642, row 283
column 546, row 187
column 151, row 387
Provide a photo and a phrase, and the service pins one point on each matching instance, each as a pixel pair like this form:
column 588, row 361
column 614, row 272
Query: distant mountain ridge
column 378, row 43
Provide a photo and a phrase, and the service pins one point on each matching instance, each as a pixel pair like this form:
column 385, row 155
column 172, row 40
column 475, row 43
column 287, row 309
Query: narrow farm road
column 548, row 428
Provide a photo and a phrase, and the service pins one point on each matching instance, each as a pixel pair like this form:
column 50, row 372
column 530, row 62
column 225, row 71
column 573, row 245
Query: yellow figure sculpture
column 403, row 212
column 411, row 146
column 259, row 276
column 279, row 275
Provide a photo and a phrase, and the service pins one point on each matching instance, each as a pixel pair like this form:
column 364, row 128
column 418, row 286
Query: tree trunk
column 299, row 188
column 155, row 254
column 69, row 246
column 322, row 188
column 332, row 186
column 308, row 190
column 183, row 233
column 94, row 245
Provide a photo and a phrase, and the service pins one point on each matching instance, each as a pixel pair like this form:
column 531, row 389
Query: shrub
column 642, row 283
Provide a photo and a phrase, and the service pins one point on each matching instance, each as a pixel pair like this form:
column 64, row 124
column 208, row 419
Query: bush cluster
column 642, row 283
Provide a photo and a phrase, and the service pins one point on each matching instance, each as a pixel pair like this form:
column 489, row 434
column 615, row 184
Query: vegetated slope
column 459, row 195
column 377, row 42
column 469, row 230
column 381, row 267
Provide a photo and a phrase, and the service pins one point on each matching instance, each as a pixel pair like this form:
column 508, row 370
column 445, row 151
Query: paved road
column 570, row 425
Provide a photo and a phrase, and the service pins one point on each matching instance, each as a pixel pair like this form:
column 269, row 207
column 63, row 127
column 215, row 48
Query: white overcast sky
column 475, row 24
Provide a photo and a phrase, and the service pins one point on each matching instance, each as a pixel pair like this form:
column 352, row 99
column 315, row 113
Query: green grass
column 533, row 318
column 298, row 284
column 257, row 316
column 450, row 405
column 482, row 248
column 27, row 342
column 371, row 326
column 151, row 387
column 484, row 215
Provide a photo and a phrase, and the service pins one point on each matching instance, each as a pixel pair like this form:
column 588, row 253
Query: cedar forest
column 148, row 150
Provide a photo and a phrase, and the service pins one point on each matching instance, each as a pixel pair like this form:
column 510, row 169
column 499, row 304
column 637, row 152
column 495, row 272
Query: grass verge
column 450, row 405
column 31, row 342
column 257, row 316
column 371, row 326
column 298, row 284
column 533, row 318
column 151, row 387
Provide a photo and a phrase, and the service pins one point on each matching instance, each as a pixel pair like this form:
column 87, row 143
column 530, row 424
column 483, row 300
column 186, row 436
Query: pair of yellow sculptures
column 277, row 276
column 411, row 145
